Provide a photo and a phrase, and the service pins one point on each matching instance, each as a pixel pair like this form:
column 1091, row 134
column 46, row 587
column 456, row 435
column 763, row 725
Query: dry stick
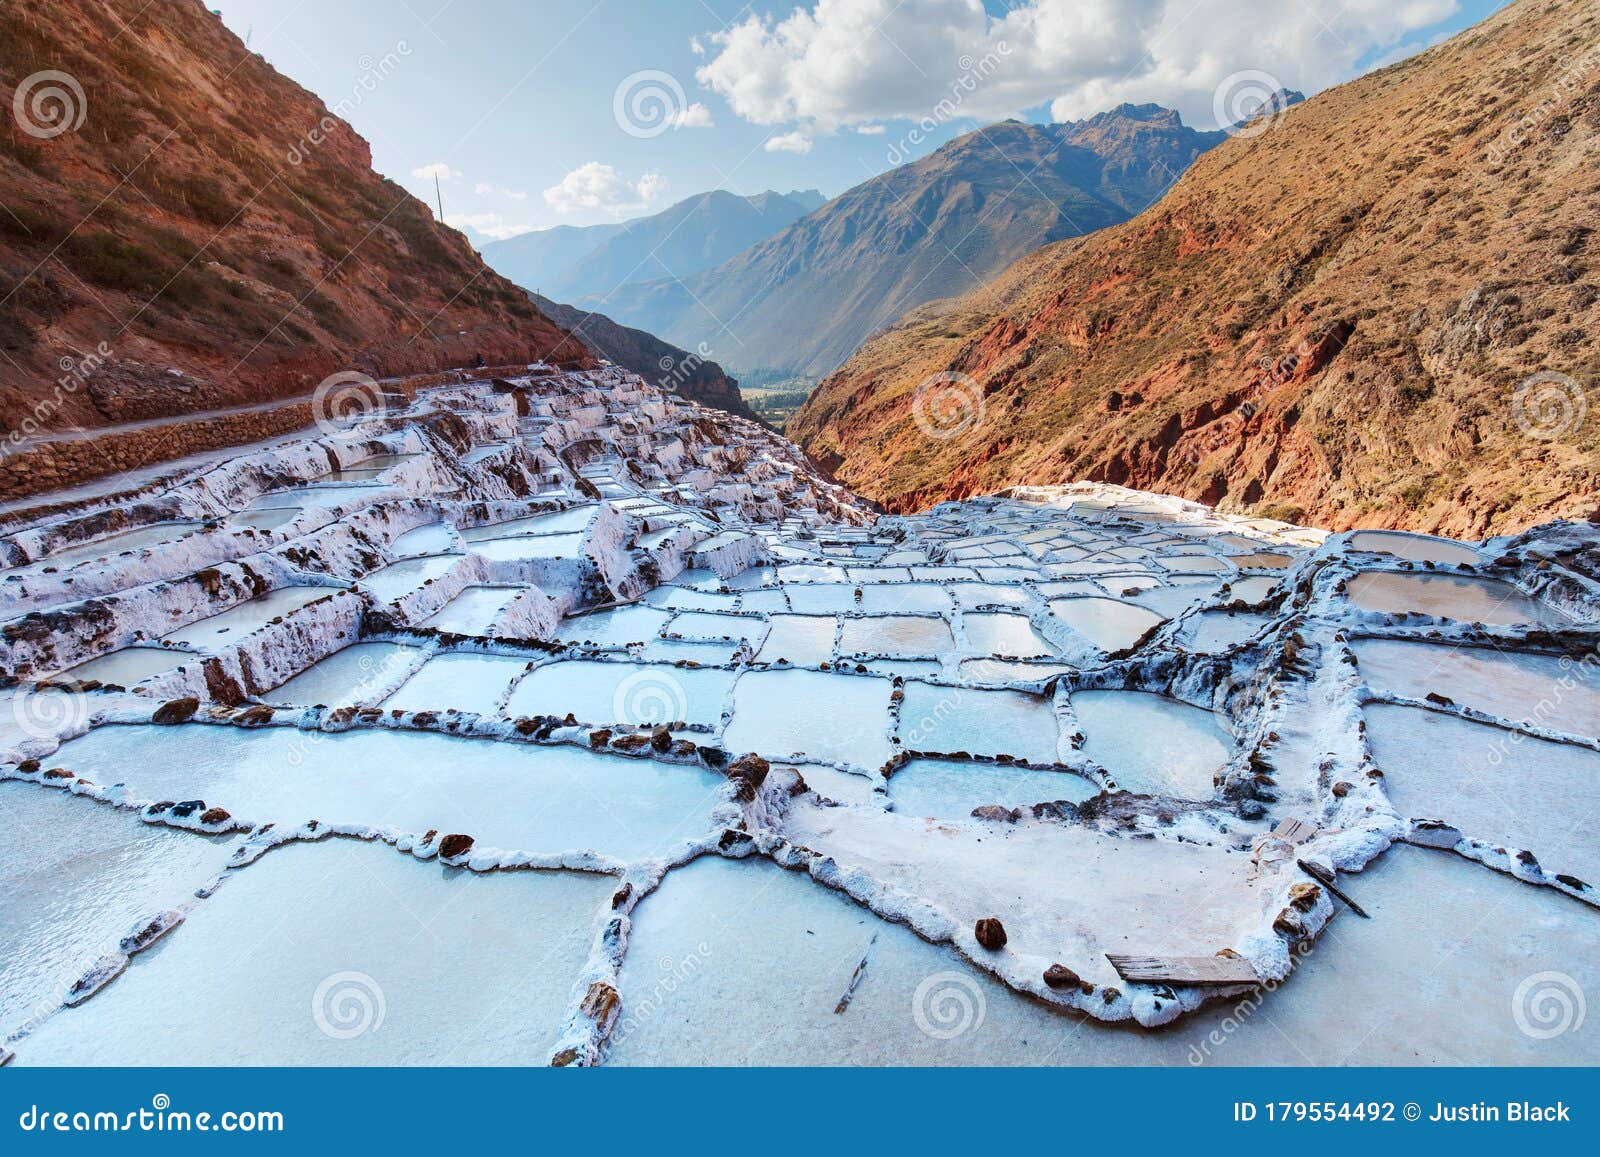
column 1325, row 877
column 855, row 978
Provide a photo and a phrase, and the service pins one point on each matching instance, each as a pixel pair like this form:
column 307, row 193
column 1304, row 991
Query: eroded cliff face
column 173, row 204
column 1376, row 308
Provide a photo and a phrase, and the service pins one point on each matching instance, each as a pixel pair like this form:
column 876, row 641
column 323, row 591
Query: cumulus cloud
column 695, row 116
column 598, row 186
column 438, row 169
column 789, row 143
column 491, row 225
column 485, row 189
column 837, row 63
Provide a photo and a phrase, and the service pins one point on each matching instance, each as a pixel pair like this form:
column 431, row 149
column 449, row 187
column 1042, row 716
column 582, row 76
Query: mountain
column 696, row 233
column 200, row 232
column 804, row 299
column 662, row 365
column 1338, row 317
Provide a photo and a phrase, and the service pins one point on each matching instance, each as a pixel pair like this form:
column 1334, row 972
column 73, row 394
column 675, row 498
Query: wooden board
column 1293, row 830
column 1183, row 969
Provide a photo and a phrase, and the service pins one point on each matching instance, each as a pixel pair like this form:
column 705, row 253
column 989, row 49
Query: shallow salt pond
column 344, row 953
column 401, row 578
column 353, row 675
column 240, row 621
column 128, row 666
column 673, row 650
column 951, row 719
column 711, row 627
column 820, row 598
column 614, row 628
column 475, row 683
column 628, row 693
column 127, row 540
column 944, row 789
column 1448, row 596
column 1252, row 590
column 1417, row 547
column 1494, row 785
column 558, row 522
column 473, row 611
column 1554, row 693
column 1002, row 634
column 804, row 640
column 835, row 718
column 264, row 519
column 1107, row 623
column 535, row 547
column 512, row 796
column 1007, row 671
column 75, row 877
column 901, row 597
column 1213, row 631
column 435, row 538
column 895, row 635
column 1151, row 744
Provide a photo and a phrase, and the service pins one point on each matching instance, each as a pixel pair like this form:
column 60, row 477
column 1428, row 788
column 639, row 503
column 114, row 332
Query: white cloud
column 871, row 130
column 599, row 186
column 696, row 116
column 836, row 63
column 491, row 225
column 789, row 143
column 438, row 169
column 485, row 189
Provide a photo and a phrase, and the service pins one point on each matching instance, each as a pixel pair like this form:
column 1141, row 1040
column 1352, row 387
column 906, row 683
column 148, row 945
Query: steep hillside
column 1334, row 316
column 662, row 365
column 695, row 234
column 174, row 204
column 803, row 300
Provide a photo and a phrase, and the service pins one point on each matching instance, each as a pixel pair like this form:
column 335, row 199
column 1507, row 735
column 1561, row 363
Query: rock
column 564, row 1058
column 213, row 816
column 1342, row 788
column 454, row 846
column 1304, row 897
column 600, row 1002
column 176, row 711
column 995, row 813
column 600, row 738
column 661, row 740
column 254, row 716
column 1433, row 834
column 991, row 933
column 748, row 773
column 1252, row 809
column 1060, row 976
column 635, row 742
column 1289, row 924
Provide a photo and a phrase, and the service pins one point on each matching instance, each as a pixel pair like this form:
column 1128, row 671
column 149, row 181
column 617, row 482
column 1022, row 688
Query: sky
column 537, row 113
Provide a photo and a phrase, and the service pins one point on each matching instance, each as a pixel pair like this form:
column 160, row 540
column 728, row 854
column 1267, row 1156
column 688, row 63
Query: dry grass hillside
column 1332, row 319
column 197, row 212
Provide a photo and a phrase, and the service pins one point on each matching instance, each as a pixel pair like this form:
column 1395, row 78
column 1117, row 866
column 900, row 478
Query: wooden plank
column 1197, row 970
column 1293, row 830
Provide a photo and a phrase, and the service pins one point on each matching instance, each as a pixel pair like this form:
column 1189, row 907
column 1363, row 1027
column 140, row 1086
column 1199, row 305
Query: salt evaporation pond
column 435, row 538
column 128, row 540
column 475, row 683
column 74, row 879
column 899, row 597
column 821, row 598
column 544, row 546
column 418, row 975
column 1213, row 631
column 128, row 666
column 1472, row 600
column 805, row 641
column 1109, row 624
column 399, row 579
column 946, row 789
column 952, row 719
column 614, row 628
column 1152, row 744
column 1555, row 693
column 356, row 674
column 1417, row 547
column 834, row 718
column 512, row 796
column 1001, row 634
column 895, row 635
column 558, row 522
column 629, row 693
column 1508, row 789
column 473, row 611
column 264, row 519
column 246, row 618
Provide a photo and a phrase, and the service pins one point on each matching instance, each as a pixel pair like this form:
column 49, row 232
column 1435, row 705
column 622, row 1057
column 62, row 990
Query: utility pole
column 439, row 196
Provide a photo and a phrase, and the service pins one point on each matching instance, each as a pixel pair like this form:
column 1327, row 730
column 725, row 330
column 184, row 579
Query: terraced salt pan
column 577, row 518
column 895, row 635
column 435, row 538
column 511, row 796
column 828, row 717
column 75, row 877
column 1001, row 634
column 417, row 974
column 399, row 579
column 709, row 626
column 952, row 719
column 1494, row 785
column 676, row 650
column 820, row 598
column 474, row 683
column 944, row 789
column 1006, row 671
column 128, row 666
column 1252, row 590
column 1417, row 547
column 614, row 628
column 1214, row 631
column 473, row 611
column 264, row 519
column 138, row 539
column 804, row 640
column 543, row 546
column 1557, row 694
column 356, row 674
column 245, row 619
column 1262, row 560
column 635, row 694
column 1473, row 600
column 1151, row 744
column 1108, row 624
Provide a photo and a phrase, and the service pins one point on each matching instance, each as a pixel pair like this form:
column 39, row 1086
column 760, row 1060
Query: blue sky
column 547, row 112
